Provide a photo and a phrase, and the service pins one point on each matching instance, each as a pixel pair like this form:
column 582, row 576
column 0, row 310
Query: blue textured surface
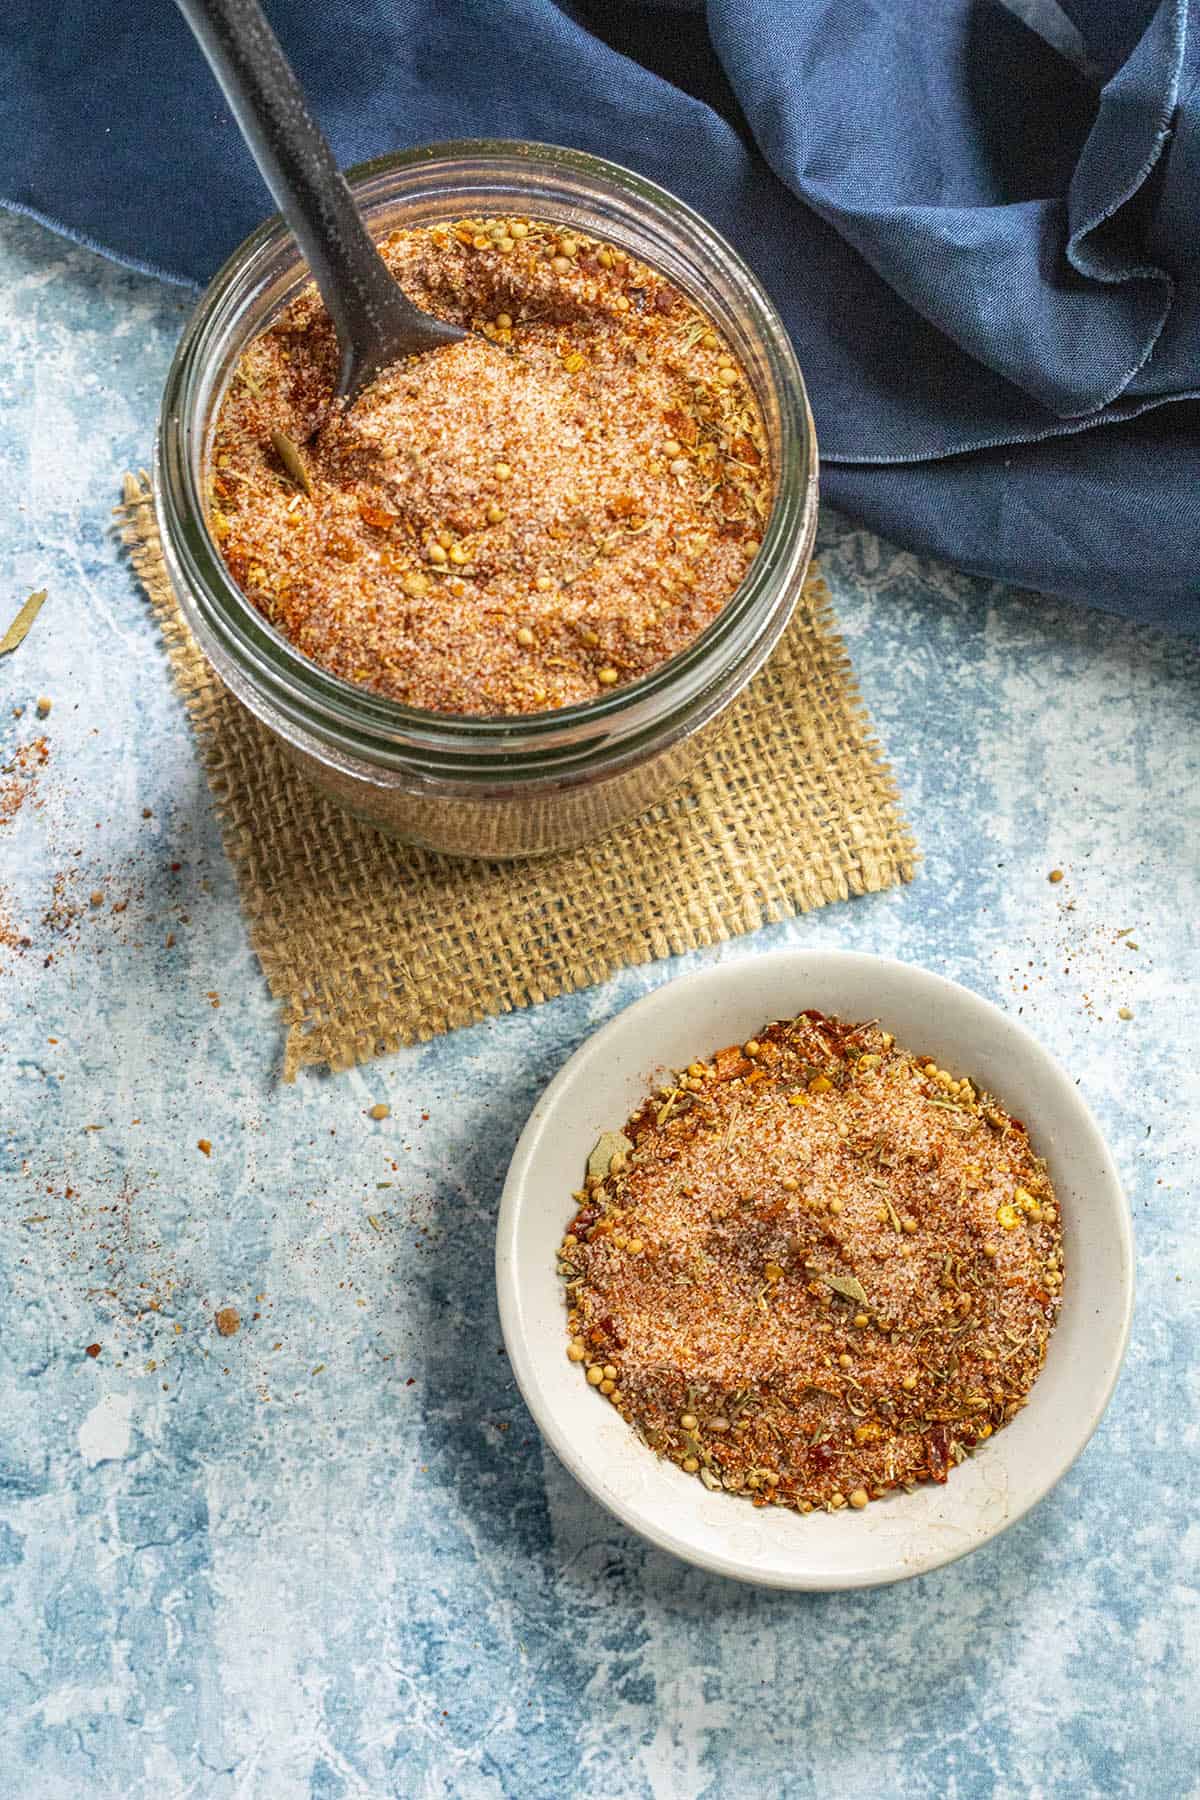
column 225, row 1574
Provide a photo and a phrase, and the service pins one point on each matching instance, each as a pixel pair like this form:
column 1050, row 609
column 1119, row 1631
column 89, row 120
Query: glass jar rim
column 278, row 666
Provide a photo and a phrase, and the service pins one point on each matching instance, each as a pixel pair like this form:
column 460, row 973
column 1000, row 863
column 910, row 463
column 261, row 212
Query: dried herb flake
column 608, row 1145
column 289, row 455
column 19, row 629
column 847, row 1287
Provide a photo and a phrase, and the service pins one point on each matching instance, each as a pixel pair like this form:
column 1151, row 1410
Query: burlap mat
column 369, row 944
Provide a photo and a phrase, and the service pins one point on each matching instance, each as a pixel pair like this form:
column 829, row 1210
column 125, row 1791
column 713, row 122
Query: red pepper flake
column 376, row 517
column 204, row 1147
column 92, row 1350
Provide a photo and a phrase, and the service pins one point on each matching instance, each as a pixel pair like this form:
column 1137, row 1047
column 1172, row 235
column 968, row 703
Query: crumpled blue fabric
column 979, row 220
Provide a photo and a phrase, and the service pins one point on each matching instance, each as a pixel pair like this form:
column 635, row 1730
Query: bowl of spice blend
column 502, row 602
column 814, row 1269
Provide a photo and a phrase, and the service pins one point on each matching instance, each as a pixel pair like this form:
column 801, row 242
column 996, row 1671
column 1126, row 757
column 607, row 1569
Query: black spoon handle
column 371, row 315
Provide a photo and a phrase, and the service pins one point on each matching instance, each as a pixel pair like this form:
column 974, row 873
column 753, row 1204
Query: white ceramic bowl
column 906, row 1534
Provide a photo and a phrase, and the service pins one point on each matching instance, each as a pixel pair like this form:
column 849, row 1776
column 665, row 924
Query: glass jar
column 494, row 786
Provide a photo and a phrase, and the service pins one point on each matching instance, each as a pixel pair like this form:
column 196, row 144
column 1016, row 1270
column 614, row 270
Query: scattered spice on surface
column 1124, row 1012
column 822, row 1268
column 44, row 703
column 1055, row 875
column 204, row 1147
column 18, row 776
column 380, row 1110
column 509, row 524
column 228, row 1321
column 92, row 1350
column 21, row 625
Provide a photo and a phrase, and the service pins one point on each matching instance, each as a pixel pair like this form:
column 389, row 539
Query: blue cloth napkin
column 981, row 228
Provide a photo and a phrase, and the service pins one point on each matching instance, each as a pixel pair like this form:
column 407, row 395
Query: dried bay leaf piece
column 289, row 455
column 847, row 1286
column 19, row 629
column 608, row 1145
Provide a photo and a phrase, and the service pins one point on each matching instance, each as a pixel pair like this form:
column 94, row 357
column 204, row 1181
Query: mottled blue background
column 328, row 1557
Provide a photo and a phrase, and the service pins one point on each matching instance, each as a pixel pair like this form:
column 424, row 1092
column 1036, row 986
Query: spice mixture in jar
column 513, row 523
column 815, row 1267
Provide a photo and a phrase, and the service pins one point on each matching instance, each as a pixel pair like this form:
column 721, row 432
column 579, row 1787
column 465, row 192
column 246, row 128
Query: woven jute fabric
column 369, row 944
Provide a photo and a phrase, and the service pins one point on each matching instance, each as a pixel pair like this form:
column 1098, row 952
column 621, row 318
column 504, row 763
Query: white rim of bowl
column 508, row 1288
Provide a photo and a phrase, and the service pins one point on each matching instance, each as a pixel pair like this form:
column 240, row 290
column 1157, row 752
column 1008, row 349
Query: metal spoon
column 376, row 323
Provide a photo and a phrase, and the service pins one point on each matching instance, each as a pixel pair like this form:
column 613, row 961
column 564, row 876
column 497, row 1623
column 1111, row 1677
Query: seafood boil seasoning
column 509, row 524
column 814, row 1268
